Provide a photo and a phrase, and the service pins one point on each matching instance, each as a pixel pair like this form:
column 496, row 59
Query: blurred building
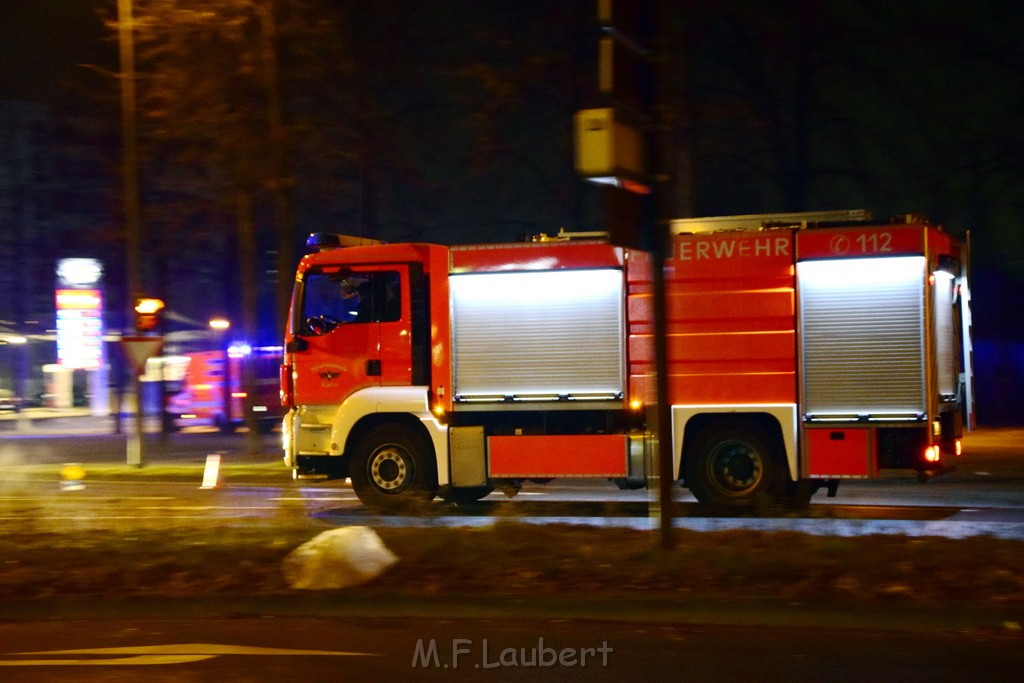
column 55, row 189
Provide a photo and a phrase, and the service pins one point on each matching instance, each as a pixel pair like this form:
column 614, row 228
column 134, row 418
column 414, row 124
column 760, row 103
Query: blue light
column 239, row 350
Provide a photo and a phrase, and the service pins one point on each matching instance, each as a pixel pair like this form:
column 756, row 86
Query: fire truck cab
column 803, row 349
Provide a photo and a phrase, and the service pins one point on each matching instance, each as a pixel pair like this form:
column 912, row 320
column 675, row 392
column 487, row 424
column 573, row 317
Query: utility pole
column 620, row 147
column 659, row 137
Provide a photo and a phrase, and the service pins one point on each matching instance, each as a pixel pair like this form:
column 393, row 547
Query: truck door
column 351, row 332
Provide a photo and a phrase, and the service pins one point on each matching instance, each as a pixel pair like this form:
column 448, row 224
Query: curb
column 763, row 613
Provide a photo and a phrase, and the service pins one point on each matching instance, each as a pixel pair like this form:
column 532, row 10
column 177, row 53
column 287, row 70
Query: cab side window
column 333, row 299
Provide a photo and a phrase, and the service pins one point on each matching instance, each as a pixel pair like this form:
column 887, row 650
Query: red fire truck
column 803, row 349
column 197, row 394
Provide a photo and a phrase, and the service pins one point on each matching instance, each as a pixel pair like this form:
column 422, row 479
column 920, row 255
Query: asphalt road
column 985, row 495
column 290, row 648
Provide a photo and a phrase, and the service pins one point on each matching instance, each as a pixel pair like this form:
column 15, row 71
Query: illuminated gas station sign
column 79, row 323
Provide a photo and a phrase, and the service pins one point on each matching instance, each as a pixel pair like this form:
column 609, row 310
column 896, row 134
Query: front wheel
column 391, row 469
column 734, row 467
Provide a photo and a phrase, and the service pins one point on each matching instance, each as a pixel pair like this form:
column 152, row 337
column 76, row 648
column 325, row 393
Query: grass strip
column 168, row 558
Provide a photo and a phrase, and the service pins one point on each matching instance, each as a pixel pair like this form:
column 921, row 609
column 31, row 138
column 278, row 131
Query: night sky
column 44, row 44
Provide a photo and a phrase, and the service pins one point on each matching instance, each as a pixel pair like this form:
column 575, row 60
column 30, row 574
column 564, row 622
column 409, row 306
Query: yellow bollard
column 71, row 476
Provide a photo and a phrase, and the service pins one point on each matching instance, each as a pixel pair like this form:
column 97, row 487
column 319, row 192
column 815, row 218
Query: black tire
column 468, row 494
column 733, row 466
column 392, row 469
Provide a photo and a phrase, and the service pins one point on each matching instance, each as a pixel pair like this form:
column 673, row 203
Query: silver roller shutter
column 946, row 332
column 862, row 332
column 538, row 335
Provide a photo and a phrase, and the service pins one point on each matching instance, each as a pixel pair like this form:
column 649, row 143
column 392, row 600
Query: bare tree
column 215, row 139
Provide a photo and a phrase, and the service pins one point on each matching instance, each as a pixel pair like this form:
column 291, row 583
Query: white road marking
column 94, row 518
column 35, row 498
column 205, row 507
column 141, row 660
column 149, row 655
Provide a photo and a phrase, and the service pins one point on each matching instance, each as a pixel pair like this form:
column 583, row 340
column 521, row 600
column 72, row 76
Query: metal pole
column 664, row 413
column 225, row 355
column 132, row 222
column 657, row 223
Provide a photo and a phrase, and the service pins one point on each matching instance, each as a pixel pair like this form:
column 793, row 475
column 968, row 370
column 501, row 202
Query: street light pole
column 132, row 221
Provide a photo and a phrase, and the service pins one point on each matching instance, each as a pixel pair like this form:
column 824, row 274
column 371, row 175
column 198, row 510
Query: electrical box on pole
column 612, row 150
column 608, row 147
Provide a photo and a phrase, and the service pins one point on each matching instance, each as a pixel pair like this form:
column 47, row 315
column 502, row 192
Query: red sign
column 81, row 299
column 894, row 240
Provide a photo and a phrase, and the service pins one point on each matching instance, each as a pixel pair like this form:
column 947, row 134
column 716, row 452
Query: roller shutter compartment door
column 862, row 336
column 538, row 335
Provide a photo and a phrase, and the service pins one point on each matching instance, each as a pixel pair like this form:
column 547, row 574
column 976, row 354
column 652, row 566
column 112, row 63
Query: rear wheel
column 734, row 466
column 391, row 469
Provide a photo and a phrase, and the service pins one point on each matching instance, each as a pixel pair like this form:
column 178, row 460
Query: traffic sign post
column 138, row 350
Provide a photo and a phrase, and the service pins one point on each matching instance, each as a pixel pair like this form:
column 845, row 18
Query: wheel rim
column 735, row 468
column 390, row 469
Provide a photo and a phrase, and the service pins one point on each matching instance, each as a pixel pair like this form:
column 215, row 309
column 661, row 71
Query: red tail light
column 287, row 389
column 931, row 454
